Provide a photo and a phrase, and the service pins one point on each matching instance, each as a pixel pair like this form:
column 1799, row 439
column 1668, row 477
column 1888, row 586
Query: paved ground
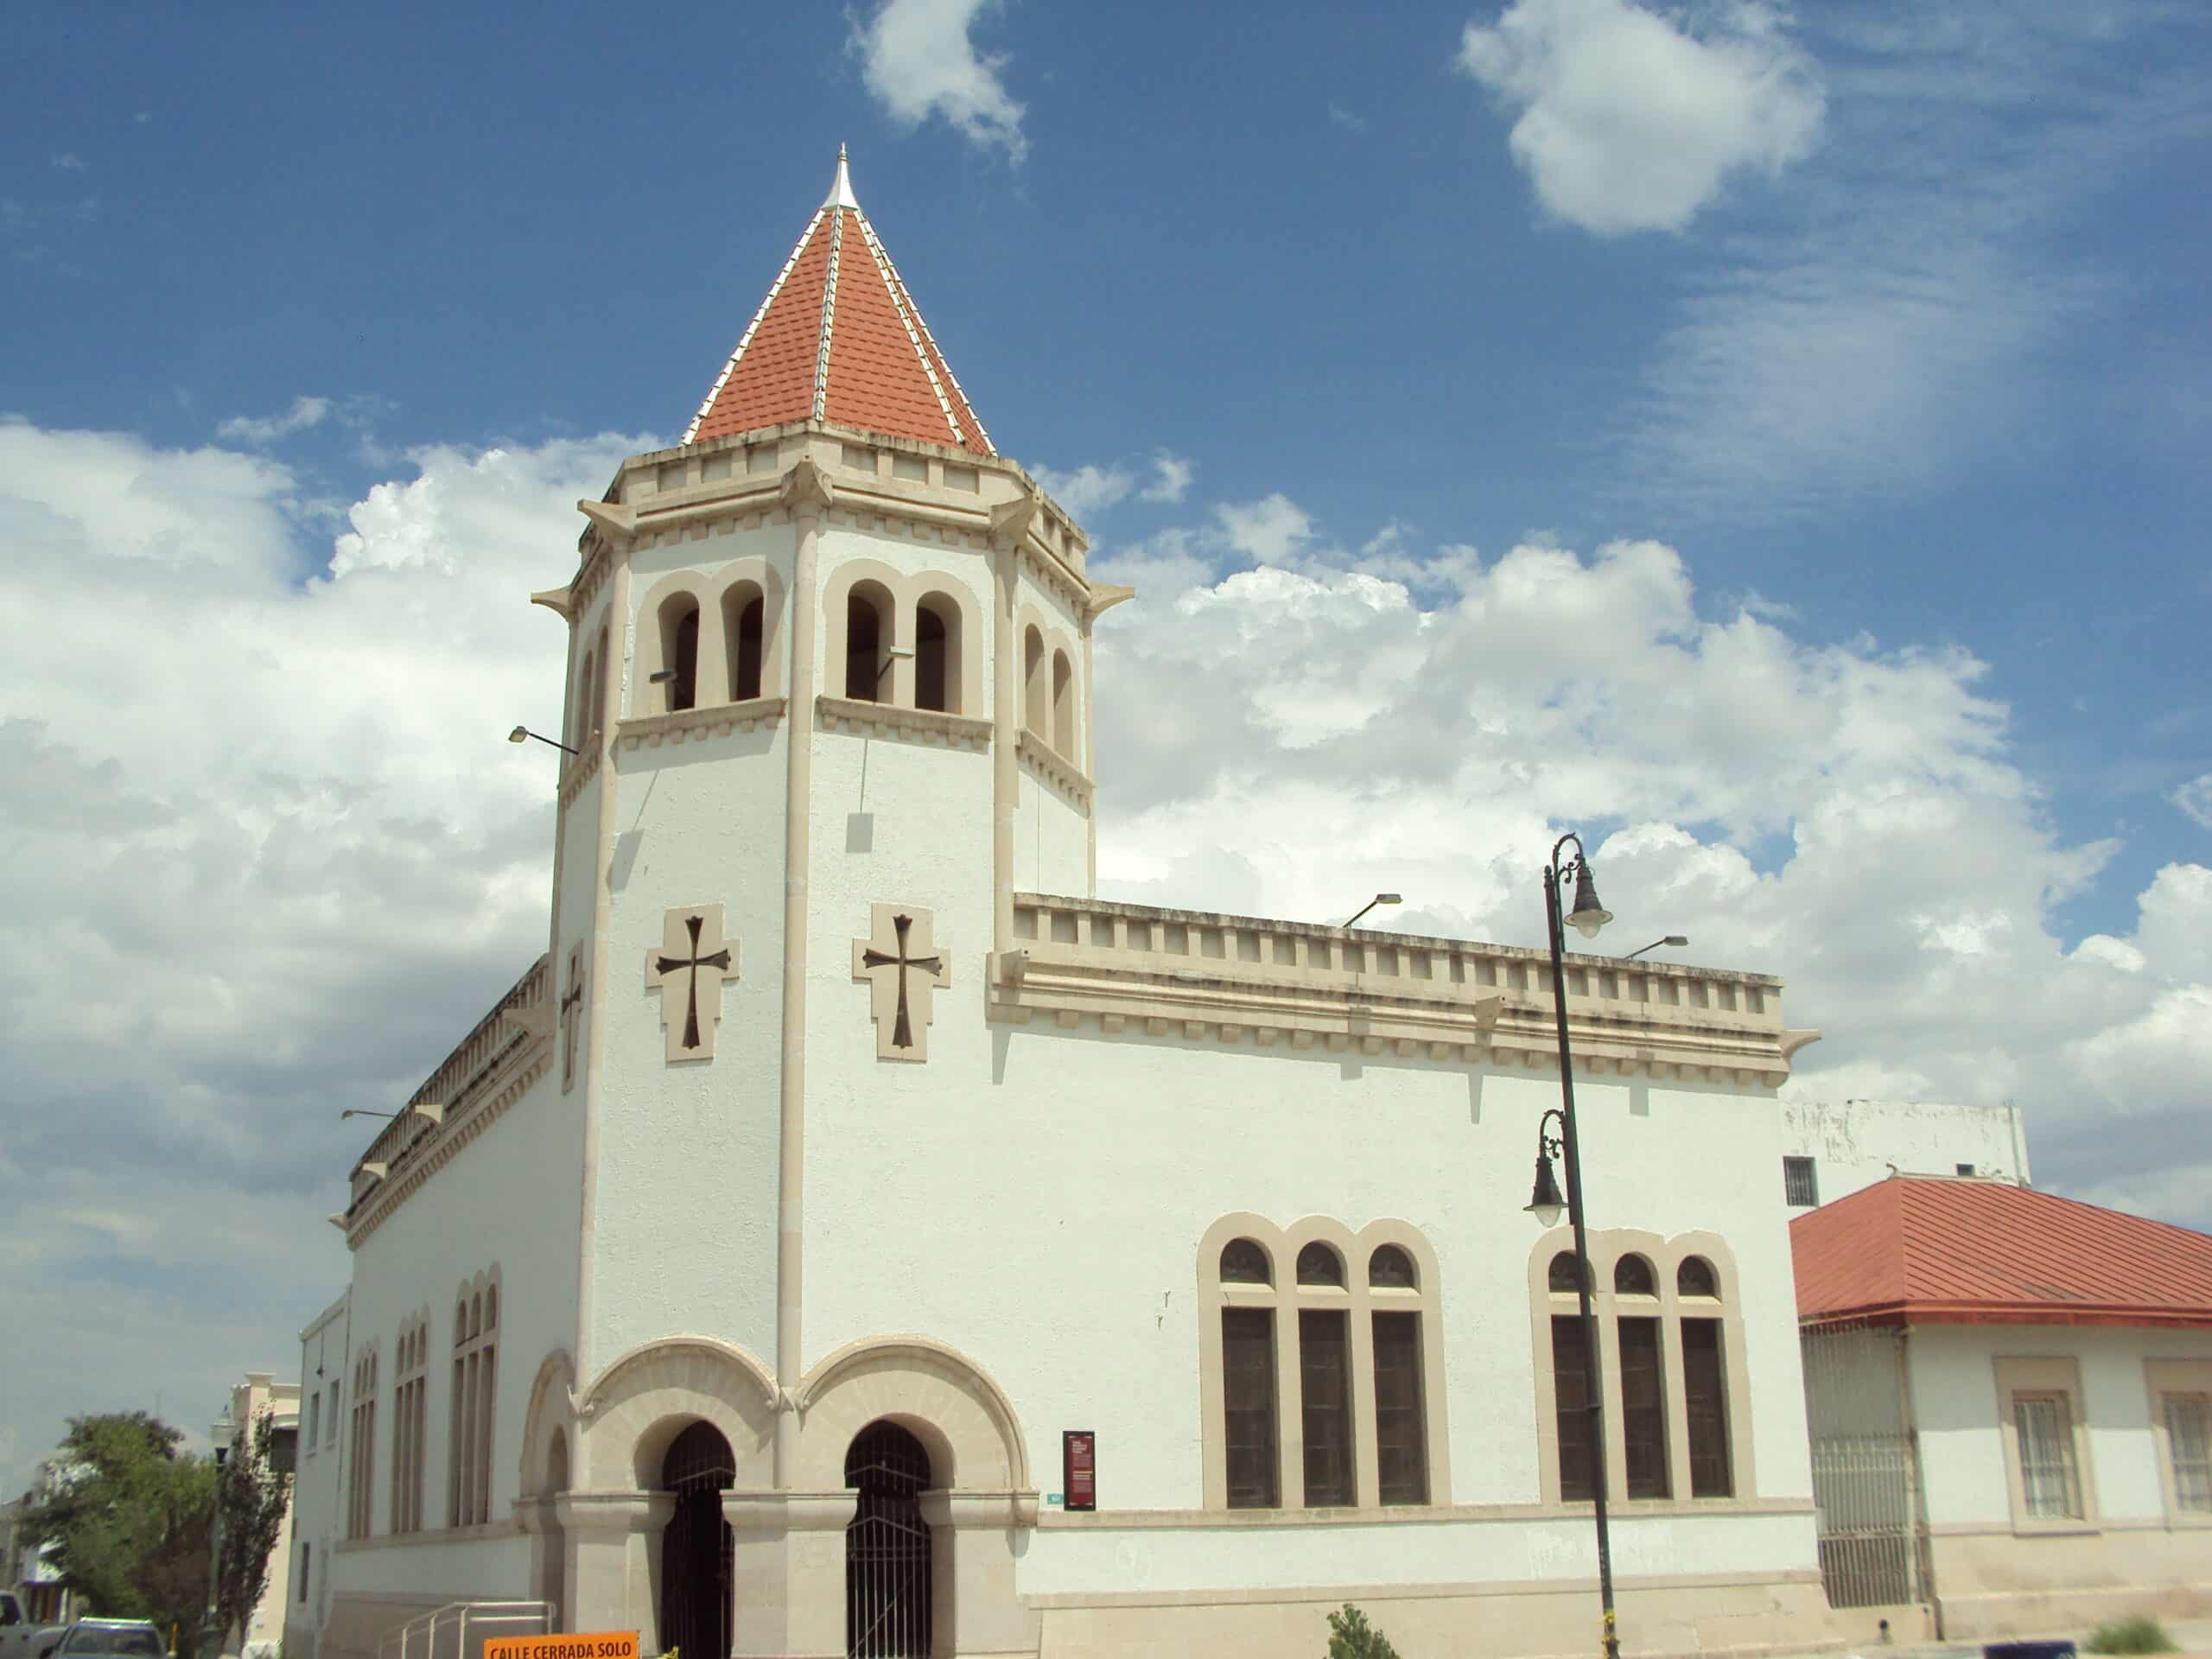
column 2192, row 1637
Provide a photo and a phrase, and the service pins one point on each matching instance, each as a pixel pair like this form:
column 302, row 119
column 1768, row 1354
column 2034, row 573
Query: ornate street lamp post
column 1586, row 917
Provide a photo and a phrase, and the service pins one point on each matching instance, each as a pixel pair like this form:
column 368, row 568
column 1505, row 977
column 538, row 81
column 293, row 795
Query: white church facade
column 853, row 1236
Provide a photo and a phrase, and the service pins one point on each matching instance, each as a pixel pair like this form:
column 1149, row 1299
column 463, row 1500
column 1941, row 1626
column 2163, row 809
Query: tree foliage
column 127, row 1514
column 1350, row 1636
column 252, row 1496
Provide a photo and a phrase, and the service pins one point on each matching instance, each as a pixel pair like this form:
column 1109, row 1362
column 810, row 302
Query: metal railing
column 446, row 1632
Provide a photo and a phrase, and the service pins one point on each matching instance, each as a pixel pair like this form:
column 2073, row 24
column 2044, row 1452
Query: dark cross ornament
column 692, row 947
column 572, row 1010
column 900, row 949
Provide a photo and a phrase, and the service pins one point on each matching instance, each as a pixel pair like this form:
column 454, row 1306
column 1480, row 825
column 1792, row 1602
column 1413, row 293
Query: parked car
column 19, row 1637
column 106, row 1638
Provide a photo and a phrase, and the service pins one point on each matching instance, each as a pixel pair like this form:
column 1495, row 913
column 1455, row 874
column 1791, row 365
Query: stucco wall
column 1855, row 1143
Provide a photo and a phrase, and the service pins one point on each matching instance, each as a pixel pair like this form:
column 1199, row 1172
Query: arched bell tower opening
column 887, row 1579
column 696, row 1567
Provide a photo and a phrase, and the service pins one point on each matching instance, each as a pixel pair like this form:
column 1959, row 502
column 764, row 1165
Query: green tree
column 127, row 1515
column 1350, row 1636
column 252, row 1496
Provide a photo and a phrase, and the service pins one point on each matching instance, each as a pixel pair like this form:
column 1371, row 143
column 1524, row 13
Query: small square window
column 1965, row 1169
column 1801, row 1187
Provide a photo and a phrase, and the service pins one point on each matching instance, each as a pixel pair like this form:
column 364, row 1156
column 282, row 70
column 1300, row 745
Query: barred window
column 1704, row 1398
column 1401, row 1437
column 1243, row 1263
column 1324, row 1384
column 1644, row 1409
column 1247, row 1352
column 1570, row 1387
column 2050, row 1489
column 1801, row 1186
column 2189, row 1438
column 1320, row 1265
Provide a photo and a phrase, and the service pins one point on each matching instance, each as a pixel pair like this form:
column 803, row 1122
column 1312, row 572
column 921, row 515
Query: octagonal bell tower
column 830, row 666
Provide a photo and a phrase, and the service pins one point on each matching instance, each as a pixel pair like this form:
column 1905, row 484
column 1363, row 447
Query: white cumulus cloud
column 1171, row 478
column 917, row 60
column 2195, row 800
column 305, row 414
column 1627, row 119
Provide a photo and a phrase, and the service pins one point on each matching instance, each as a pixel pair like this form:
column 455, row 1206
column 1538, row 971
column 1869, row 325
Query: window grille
column 1401, row 1437
column 1561, row 1275
column 2049, row 1490
column 1632, row 1277
column 1248, row 1365
column 1644, row 1409
column 1320, row 1265
column 1800, row 1185
column 1571, row 1389
column 1243, row 1263
column 1696, row 1277
column 1391, row 1269
column 1325, row 1378
column 2189, row 1438
column 1705, row 1399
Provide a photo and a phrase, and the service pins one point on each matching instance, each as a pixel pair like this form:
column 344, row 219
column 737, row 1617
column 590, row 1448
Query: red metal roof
column 839, row 339
column 1959, row 1252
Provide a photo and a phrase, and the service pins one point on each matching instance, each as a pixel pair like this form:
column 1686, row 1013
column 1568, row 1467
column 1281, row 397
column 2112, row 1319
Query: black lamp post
column 1586, row 917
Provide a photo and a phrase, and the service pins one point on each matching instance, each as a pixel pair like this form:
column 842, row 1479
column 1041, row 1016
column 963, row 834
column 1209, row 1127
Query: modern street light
column 1379, row 898
column 1586, row 917
column 1676, row 940
column 522, row 733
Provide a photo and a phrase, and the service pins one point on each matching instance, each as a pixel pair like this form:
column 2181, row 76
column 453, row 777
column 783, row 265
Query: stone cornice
column 690, row 725
column 1227, row 977
column 1055, row 768
column 581, row 771
column 530, row 1060
column 886, row 719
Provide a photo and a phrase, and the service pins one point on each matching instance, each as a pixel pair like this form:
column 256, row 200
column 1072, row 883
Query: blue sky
column 1871, row 343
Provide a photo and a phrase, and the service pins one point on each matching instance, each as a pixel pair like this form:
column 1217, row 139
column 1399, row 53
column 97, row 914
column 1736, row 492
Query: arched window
column 1243, row 1263
column 1354, row 1349
column 599, row 686
column 1033, row 680
column 936, row 654
column 745, row 615
column 1063, row 705
column 475, row 1381
column 867, row 610
column 579, row 726
column 409, row 1415
column 1320, row 1265
column 361, row 1462
column 1632, row 1277
column 1391, row 1269
column 1695, row 1278
column 679, row 651
column 1561, row 1276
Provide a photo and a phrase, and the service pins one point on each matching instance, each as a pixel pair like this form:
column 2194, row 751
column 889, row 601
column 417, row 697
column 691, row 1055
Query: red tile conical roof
column 839, row 339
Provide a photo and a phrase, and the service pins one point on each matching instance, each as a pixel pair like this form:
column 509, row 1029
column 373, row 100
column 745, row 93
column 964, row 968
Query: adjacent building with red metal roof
column 2008, row 1401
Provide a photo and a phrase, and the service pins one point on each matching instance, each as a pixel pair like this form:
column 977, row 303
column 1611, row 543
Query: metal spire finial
column 840, row 189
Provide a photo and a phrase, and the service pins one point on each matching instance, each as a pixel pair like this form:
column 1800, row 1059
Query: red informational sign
column 1080, row 1468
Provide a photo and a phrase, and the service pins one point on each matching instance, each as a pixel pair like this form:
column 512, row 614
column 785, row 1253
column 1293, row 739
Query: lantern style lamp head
column 519, row 734
column 1545, row 1202
column 1588, row 915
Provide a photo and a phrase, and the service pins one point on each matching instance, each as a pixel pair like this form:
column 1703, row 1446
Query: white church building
column 853, row 1236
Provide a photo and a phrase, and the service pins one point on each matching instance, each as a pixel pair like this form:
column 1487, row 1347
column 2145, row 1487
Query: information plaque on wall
column 1080, row 1468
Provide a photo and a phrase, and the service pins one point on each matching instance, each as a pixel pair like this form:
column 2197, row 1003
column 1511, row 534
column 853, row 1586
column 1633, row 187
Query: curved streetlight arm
column 1554, row 873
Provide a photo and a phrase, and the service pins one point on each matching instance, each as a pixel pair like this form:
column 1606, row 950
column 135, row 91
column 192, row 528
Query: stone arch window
column 410, row 1419
column 475, row 1392
column 361, row 1460
column 1033, row 680
column 679, row 651
column 1244, row 1262
column 936, row 654
column 745, row 619
column 1327, row 1392
column 599, row 687
column 580, row 724
column 1670, row 1358
column 867, row 636
column 1063, row 705
column 1320, row 1265
column 1391, row 1269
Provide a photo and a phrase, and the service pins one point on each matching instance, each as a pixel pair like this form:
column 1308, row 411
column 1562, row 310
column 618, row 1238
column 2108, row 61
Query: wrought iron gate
column 1864, row 1473
column 887, row 1546
column 697, row 1548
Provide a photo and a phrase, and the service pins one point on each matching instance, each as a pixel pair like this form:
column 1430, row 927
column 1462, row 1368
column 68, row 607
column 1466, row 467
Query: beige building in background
column 234, row 1431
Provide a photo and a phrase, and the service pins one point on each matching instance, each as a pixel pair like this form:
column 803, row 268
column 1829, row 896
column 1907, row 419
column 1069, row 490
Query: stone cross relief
column 901, row 965
column 572, row 1005
column 688, row 970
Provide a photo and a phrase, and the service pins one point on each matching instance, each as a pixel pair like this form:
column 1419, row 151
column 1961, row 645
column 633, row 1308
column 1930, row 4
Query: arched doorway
column 695, row 1577
column 887, row 1546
